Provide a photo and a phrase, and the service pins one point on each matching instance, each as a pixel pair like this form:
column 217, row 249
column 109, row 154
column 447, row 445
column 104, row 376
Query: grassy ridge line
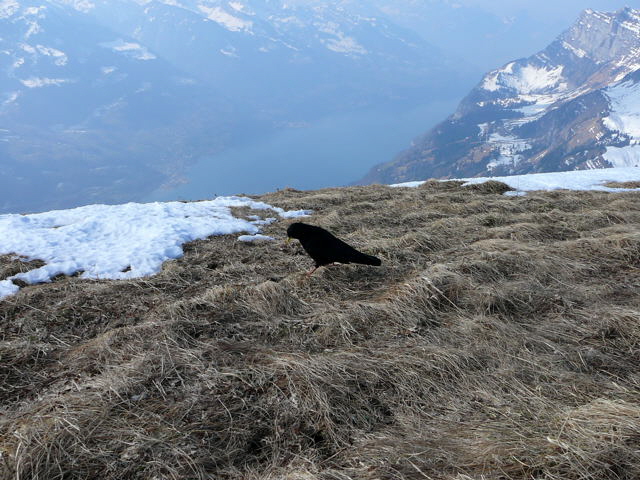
column 500, row 339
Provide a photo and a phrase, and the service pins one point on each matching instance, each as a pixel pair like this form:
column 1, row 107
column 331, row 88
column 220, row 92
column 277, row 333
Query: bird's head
column 295, row 230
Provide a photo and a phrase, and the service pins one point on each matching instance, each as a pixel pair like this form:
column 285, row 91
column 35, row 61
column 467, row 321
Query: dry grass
column 499, row 340
column 632, row 184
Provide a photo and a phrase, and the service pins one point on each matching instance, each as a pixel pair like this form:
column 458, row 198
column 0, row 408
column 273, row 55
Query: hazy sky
column 489, row 33
column 547, row 8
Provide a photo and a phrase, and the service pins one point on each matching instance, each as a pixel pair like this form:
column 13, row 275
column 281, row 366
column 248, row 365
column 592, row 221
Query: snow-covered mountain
column 574, row 105
column 104, row 100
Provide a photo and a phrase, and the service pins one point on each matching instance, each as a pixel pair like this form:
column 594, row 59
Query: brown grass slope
column 499, row 340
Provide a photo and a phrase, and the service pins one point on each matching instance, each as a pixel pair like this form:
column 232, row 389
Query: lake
column 334, row 151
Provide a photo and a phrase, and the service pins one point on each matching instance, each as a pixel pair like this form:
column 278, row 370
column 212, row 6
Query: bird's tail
column 365, row 259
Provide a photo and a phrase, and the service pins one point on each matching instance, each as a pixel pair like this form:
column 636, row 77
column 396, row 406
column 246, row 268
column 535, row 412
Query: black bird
column 325, row 249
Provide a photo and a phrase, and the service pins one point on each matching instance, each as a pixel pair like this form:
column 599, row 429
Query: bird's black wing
column 325, row 248
column 319, row 248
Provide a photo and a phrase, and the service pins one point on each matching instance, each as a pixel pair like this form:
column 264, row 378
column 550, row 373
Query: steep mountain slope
column 571, row 106
column 104, row 100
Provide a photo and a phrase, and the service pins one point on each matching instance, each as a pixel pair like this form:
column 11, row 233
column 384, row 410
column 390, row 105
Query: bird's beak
column 287, row 241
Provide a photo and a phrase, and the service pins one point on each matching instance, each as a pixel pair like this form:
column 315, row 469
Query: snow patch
column 7, row 287
column 537, row 105
column 509, row 148
column 225, row 19
column 491, row 82
column 38, row 82
column 625, row 109
column 532, row 79
column 60, row 58
column 632, row 26
column 131, row 49
column 119, row 241
column 255, row 238
column 628, row 156
column 241, row 8
column 230, row 51
column 27, row 48
column 526, row 79
column 346, row 45
column 578, row 52
column 341, row 43
column 288, row 20
column 10, row 98
column 484, row 128
column 32, row 23
column 84, row 6
column 575, row 180
column 8, row 8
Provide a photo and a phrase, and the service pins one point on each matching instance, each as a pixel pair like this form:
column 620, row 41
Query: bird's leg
column 310, row 272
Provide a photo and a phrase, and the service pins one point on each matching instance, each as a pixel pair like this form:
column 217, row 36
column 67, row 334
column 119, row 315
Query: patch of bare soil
column 499, row 340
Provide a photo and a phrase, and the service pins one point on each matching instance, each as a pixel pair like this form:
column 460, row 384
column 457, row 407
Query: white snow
column 230, row 51
column 537, row 106
column 225, row 19
column 38, row 82
column 119, row 241
column 131, row 49
column 34, row 26
column 509, row 148
column 254, row 238
column 27, row 48
column 33, row 10
column 633, row 26
column 83, row 6
column 59, row 56
column 628, row 156
column 503, row 160
column 532, row 79
column 508, row 144
column 288, row 20
column 578, row 52
column 241, row 8
column 10, row 98
column 341, row 43
column 8, row 8
column 490, row 82
column 625, row 109
column 527, row 79
column 344, row 44
column 575, row 180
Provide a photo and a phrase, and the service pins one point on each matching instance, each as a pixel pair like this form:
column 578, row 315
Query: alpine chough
column 324, row 248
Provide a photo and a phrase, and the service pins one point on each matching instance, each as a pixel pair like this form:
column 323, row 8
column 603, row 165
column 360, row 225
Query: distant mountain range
column 574, row 105
column 104, row 100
